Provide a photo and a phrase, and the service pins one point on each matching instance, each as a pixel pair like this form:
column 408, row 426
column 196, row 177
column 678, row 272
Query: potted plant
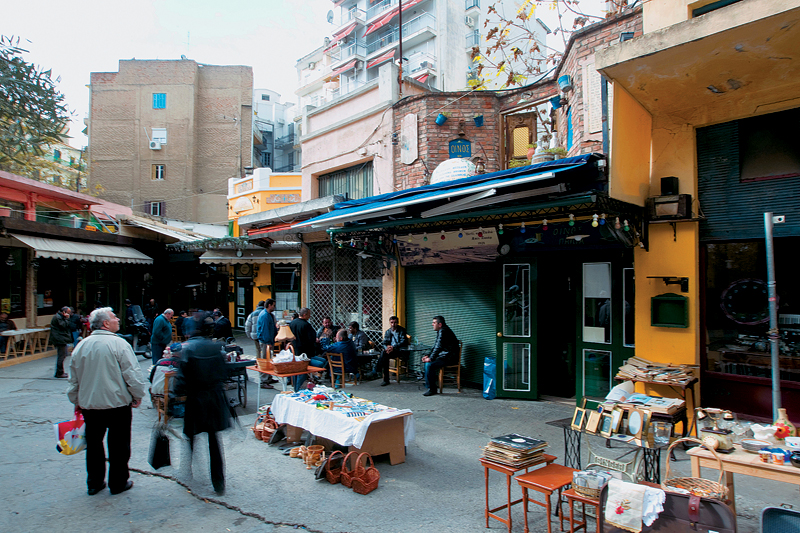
column 558, row 152
column 478, row 120
column 531, row 151
column 442, row 118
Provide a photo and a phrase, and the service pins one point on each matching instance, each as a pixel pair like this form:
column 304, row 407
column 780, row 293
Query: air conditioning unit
column 155, row 145
column 469, row 22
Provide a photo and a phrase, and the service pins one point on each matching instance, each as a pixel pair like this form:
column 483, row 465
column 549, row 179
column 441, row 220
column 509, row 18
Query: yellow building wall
column 630, row 147
column 659, row 14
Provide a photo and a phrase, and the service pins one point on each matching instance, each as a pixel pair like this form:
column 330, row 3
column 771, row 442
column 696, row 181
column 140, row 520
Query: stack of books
column 639, row 369
column 517, row 451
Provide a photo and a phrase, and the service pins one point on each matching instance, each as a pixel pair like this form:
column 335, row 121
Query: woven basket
column 264, row 364
column 588, row 492
column 334, row 473
column 367, row 477
column 348, row 473
column 291, row 367
column 258, row 427
column 269, row 428
column 697, row 486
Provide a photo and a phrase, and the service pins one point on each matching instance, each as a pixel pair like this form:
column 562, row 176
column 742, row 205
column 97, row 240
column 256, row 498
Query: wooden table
column 685, row 389
column 741, row 462
column 33, row 341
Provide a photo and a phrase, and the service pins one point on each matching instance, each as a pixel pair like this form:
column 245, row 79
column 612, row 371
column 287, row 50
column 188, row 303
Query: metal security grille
column 347, row 288
column 354, row 182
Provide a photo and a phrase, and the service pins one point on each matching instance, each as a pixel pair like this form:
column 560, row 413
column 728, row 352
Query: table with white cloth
column 34, row 340
column 385, row 431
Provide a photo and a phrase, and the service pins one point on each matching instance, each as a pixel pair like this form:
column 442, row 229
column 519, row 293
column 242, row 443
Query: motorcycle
column 138, row 332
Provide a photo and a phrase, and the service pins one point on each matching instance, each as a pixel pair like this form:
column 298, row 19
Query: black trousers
column 382, row 364
column 117, row 422
column 61, row 354
column 215, row 459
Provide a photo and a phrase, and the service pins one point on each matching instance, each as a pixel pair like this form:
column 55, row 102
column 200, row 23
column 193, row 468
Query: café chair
column 336, row 367
column 456, row 368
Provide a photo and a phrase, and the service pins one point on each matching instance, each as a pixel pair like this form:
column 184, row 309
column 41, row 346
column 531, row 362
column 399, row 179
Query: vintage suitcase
column 684, row 514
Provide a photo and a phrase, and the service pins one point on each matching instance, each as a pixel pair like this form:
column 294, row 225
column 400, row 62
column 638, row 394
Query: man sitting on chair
column 347, row 348
column 444, row 352
column 394, row 340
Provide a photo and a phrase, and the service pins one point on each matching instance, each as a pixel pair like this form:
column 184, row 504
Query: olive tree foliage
column 33, row 114
column 508, row 51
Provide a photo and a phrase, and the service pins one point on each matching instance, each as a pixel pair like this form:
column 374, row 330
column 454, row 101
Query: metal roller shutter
column 464, row 295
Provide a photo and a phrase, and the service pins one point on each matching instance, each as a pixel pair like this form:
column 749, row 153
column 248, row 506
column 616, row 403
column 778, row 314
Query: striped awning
column 423, row 78
column 344, row 68
column 385, row 57
column 387, row 18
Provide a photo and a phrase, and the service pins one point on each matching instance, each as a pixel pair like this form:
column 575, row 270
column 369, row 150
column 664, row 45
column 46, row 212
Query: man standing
column 394, row 340
column 150, row 312
column 251, row 326
column 358, row 337
column 183, row 315
column 305, row 340
column 60, row 336
column 105, row 383
column 162, row 334
column 222, row 326
column 444, row 352
column 265, row 335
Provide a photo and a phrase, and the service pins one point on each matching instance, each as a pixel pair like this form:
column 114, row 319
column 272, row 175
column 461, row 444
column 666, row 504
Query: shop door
column 605, row 325
column 516, row 371
column 243, row 297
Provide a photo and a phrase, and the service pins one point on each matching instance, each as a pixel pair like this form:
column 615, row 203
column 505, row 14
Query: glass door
column 516, row 350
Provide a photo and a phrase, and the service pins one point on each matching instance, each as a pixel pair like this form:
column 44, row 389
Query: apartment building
column 276, row 144
column 165, row 136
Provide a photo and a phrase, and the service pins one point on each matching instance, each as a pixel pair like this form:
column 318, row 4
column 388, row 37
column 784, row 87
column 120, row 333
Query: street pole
column 773, row 334
column 400, row 48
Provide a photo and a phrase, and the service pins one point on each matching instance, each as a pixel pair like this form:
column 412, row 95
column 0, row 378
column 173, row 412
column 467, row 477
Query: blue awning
column 471, row 192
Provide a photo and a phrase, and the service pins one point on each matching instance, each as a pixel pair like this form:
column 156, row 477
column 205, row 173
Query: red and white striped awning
column 385, row 57
column 344, row 68
column 386, row 19
column 341, row 34
column 423, row 78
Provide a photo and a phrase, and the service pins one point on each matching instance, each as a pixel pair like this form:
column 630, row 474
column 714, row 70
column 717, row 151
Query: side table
column 552, row 478
column 573, row 497
column 509, row 471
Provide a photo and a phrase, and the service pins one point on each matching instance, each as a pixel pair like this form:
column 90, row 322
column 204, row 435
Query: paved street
column 439, row 487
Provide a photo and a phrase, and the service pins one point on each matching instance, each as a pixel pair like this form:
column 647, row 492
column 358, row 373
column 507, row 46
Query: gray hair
column 100, row 315
column 169, row 311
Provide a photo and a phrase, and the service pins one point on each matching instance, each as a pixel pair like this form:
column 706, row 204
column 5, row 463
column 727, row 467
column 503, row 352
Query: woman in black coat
column 207, row 410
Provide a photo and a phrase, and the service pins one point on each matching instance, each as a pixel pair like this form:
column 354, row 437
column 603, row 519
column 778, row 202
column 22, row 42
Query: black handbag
column 159, row 449
column 684, row 513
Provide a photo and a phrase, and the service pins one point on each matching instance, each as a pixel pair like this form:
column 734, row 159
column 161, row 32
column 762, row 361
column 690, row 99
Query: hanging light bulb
column 617, row 224
column 352, row 243
column 522, row 228
column 425, row 236
column 571, row 219
column 499, row 229
column 394, row 239
column 460, row 233
column 625, row 226
column 594, row 221
column 480, row 232
column 544, row 225
column 442, row 235
column 410, row 238
column 380, row 239
column 602, row 219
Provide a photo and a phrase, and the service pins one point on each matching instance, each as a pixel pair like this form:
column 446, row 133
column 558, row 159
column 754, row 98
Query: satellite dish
column 330, row 17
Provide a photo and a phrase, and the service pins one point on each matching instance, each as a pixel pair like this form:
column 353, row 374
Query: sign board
column 453, row 169
column 477, row 245
column 408, row 139
column 460, row 148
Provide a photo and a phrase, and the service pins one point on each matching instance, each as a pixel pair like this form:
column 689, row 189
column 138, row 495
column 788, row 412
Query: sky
column 78, row 37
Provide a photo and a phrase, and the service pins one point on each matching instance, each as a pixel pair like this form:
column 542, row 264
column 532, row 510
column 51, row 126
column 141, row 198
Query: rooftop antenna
column 329, row 16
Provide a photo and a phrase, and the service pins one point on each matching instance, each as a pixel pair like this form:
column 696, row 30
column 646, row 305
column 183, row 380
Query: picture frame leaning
column 578, row 419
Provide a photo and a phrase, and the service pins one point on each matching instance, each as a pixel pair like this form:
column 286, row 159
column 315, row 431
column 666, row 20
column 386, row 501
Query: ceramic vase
column 783, row 419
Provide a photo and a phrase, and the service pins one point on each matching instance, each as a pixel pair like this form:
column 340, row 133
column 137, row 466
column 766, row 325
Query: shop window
column 597, row 302
column 516, row 300
column 286, row 288
column 159, row 172
column 353, row 183
column 520, row 134
column 13, row 266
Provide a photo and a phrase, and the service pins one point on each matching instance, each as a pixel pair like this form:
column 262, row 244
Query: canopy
column 387, row 18
column 378, row 60
column 232, row 257
column 344, row 68
column 82, row 251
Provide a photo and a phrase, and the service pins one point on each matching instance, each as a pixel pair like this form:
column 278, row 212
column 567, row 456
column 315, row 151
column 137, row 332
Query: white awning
column 82, row 251
column 231, row 257
column 181, row 235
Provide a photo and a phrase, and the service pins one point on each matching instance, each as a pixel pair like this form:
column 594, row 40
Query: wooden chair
column 551, row 479
column 336, row 367
column 452, row 368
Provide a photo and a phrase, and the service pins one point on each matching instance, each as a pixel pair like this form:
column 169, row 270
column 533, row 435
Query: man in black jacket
column 394, row 341
column 444, row 352
column 60, row 336
column 305, row 340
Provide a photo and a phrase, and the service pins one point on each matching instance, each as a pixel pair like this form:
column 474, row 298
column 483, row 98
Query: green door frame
column 516, row 368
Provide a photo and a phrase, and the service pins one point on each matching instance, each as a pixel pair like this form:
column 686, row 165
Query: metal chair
column 452, row 368
column 779, row 520
column 336, row 367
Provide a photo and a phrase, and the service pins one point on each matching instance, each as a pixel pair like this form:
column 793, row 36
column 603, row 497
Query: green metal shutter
column 735, row 210
column 464, row 295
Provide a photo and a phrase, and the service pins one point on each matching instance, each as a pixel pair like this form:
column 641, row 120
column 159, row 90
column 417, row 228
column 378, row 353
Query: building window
column 155, row 209
column 160, row 135
column 265, row 97
column 354, row 182
column 159, row 100
column 159, row 172
column 57, row 154
column 711, row 7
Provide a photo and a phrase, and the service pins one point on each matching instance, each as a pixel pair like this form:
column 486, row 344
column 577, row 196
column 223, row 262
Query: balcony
column 379, row 8
column 473, row 39
column 283, row 142
column 419, row 63
column 472, row 4
column 416, row 28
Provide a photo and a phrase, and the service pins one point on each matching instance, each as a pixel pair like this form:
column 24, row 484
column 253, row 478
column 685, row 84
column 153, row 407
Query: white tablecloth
column 335, row 425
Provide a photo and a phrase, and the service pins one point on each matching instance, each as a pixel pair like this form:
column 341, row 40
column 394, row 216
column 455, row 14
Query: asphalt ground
column 440, row 487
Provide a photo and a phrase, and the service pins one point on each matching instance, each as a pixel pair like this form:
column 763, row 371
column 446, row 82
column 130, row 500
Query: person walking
column 162, row 334
column 251, row 326
column 266, row 330
column 60, row 336
column 150, row 312
column 207, row 410
column 105, row 383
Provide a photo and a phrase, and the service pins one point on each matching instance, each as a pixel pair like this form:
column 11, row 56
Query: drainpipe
column 604, row 100
column 400, row 48
column 773, row 334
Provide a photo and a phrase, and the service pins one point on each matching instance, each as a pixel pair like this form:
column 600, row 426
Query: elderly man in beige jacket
column 105, row 384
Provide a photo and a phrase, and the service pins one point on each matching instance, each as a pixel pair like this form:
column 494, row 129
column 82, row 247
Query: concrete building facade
column 165, row 136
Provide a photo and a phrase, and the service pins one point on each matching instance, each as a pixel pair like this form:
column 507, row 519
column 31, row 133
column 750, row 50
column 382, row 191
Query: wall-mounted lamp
column 395, row 139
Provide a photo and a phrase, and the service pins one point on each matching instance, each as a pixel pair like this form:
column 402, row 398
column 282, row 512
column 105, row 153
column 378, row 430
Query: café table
column 386, row 431
column 415, row 354
column 32, row 338
column 741, row 462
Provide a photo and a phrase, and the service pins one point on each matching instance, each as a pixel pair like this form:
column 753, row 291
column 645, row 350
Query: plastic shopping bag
column 71, row 435
column 489, row 369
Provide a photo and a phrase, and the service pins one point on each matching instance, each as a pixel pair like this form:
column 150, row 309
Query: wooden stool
column 547, row 480
column 573, row 497
column 509, row 471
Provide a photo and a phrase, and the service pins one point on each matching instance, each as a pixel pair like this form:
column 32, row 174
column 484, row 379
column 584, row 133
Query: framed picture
column 616, row 419
column 605, row 424
column 578, row 418
column 593, row 421
column 638, row 421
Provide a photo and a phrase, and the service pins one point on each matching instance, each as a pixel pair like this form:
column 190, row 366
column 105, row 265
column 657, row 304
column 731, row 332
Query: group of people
column 106, row 383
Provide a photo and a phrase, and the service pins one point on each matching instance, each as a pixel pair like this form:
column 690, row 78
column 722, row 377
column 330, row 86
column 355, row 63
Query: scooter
column 138, row 333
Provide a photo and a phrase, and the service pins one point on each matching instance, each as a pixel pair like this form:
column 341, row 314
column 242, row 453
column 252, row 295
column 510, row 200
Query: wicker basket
column 588, row 492
column 264, row 364
column 697, row 486
column 348, row 473
column 367, row 477
column 258, row 427
column 291, row 367
column 334, row 473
